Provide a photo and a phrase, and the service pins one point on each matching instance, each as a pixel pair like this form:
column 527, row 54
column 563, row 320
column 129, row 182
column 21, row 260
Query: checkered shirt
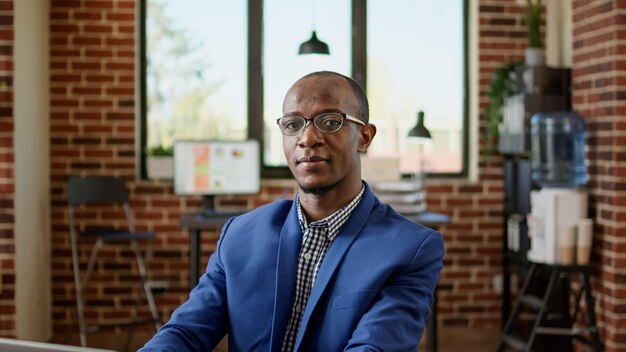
column 317, row 238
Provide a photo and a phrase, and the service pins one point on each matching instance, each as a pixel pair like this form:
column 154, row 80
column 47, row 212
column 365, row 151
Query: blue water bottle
column 558, row 149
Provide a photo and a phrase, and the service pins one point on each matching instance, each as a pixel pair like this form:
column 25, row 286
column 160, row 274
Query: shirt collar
column 332, row 222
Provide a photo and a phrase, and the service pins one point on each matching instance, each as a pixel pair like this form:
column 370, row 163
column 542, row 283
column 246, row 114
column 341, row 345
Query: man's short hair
column 359, row 92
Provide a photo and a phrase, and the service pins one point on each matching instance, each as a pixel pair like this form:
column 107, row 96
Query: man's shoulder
column 256, row 224
column 385, row 216
column 271, row 212
column 277, row 206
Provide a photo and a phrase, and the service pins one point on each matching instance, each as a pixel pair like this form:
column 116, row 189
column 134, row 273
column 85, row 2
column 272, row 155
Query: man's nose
column 310, row 135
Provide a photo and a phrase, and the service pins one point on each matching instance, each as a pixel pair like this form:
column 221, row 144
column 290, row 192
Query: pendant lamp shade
column 314, row 46
column 419, row 131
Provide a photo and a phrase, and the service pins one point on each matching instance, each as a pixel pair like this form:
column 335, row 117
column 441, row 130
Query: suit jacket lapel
column 287, row 266
column 337, row 250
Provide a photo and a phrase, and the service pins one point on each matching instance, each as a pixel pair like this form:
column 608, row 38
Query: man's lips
column 311, row 159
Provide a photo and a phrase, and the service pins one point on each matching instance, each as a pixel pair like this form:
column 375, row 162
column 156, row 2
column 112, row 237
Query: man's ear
column 366, row 136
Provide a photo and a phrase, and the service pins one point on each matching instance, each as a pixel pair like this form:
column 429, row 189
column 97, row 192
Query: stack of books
column 405, row 196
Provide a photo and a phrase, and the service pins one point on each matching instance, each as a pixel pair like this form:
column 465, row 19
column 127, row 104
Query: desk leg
column 194, row 258
column 431, row 343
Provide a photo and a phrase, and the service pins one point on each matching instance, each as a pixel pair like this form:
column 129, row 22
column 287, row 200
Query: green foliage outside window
column 178, row 92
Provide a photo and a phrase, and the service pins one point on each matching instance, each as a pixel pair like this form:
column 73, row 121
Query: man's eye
column 331, row 122
column 292, row 124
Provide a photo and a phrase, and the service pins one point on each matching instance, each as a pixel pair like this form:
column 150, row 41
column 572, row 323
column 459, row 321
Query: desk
column 196, row 223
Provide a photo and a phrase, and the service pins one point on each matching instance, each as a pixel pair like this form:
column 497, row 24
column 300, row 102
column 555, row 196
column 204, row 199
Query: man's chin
column 318, row 189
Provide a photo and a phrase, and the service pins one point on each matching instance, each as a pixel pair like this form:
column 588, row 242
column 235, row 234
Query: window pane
column 287, row 24
column 196, row 68
column 416, row 62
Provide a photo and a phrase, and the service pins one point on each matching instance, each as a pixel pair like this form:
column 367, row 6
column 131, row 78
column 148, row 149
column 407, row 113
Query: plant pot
column 160, row 167
column 534, row 56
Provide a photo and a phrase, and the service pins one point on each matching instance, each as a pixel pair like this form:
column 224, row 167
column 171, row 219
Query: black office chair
column 111, row 191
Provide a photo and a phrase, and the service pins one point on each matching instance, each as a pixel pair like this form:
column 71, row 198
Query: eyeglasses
column 327, row 122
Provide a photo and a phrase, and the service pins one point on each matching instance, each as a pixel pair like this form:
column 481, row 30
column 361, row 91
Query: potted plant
column 501, row 86
column 160, row 162
column 534, row 53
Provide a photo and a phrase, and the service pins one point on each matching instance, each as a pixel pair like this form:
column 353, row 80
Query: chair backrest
column 96, row 189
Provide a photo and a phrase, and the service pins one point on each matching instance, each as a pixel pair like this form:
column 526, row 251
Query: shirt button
column 307, row 256
column 298, row 308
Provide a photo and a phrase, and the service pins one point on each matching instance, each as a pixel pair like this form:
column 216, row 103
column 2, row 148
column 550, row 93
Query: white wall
column 32, row 164
column 559, row 33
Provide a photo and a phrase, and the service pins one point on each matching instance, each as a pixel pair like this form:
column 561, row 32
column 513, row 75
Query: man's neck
column 320, row 206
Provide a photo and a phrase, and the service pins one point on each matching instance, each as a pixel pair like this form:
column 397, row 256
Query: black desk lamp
column 420, row 131
column 420, row 134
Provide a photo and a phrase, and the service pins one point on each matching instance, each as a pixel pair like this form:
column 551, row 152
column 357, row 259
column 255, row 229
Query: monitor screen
column 216, row 167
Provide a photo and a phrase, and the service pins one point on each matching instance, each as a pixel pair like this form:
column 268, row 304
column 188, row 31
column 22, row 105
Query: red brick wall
column 599, row 94
column 93, row 130
column 7, row 182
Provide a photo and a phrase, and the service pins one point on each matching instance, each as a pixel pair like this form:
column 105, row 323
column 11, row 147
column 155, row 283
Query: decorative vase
column 534, row 56
column 160, row 167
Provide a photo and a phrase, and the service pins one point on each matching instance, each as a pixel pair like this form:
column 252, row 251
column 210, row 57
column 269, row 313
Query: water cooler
column 558, row 167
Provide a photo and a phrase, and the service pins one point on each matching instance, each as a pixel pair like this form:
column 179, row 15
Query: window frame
column 255, row 82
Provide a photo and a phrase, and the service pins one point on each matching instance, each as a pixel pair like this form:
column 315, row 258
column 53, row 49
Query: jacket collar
column 287, row 265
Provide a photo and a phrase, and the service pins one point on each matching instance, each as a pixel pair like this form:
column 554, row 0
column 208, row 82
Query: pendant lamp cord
column 313, row 13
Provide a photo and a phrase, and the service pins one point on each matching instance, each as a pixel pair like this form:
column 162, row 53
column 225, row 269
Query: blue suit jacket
column 373, row 290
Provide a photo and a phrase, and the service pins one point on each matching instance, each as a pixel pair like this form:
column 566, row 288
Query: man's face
column 323, row 161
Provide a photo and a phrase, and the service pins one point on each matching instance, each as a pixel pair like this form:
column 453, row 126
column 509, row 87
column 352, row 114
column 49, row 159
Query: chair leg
column 92, row 261
column 143, row 272
column 79, row 294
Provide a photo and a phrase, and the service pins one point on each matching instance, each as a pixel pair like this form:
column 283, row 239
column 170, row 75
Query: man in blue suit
column 332, row 270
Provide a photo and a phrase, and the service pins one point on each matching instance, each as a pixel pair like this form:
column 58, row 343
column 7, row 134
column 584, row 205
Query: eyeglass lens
column 327, row 123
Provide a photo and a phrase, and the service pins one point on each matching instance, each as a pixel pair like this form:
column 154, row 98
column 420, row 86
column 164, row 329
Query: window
column 282, row 65
column 219, row 70
column 415, row 54
column 195, row 81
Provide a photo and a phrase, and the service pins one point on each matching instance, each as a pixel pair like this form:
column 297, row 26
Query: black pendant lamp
column 314, row 46
column 420, row 131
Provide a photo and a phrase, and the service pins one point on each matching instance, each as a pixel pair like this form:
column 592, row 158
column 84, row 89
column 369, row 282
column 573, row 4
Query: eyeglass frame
column 343, row 115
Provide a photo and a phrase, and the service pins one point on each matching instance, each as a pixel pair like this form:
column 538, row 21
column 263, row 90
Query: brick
column 65, row 3
column 103, row 5
column 120, row 41
column 98, row 103
column 65, row 78
column 5, row 112
column 79, row 15
column 6, row 6
column 120, row 66
column 6, row 34
column 86, row 41
column 65, row 28
column 99, row 78
column 98, row 28
column 98, row 53
column 86, row 90
column 112, row 16
column 6, row 20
